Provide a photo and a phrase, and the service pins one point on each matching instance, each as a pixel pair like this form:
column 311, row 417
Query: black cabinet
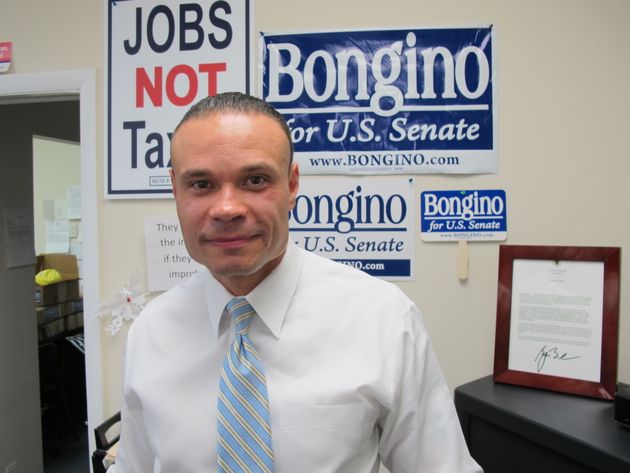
column 516, row 429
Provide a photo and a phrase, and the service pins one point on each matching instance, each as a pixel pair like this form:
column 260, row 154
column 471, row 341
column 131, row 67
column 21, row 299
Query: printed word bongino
column 399, row 72
column 465, row 206
column 347, row 211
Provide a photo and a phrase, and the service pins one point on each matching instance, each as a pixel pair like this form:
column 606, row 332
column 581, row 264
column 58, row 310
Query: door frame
column 41, row 87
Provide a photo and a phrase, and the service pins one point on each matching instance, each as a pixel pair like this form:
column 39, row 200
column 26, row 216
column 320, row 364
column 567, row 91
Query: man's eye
column 256, row 180
column 200, row 184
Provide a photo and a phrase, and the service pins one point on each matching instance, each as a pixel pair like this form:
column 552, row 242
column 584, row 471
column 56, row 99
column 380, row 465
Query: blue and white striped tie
column 243, row 426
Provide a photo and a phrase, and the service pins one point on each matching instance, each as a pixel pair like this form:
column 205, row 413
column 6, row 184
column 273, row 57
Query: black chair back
column 105, row 438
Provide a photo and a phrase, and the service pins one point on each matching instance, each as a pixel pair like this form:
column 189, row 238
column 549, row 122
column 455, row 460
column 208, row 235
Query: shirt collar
column 270, row 299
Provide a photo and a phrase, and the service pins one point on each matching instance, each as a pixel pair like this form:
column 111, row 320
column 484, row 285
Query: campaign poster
column 404, row 101
column 363, row 222
column 162, row 58
column 463, row 215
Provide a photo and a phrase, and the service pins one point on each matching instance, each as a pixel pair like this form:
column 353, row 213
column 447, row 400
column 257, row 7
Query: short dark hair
column 240, row 103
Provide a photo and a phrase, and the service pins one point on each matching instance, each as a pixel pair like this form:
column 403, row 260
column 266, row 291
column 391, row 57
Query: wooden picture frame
column 554, row 329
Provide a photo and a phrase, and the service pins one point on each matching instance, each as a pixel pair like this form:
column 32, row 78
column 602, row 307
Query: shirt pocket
column 336, row 438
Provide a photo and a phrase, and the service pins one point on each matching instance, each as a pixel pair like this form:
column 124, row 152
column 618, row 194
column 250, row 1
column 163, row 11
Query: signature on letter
column 551, row 353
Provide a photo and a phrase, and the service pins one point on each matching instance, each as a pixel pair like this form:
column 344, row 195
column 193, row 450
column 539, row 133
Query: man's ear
column 294, row 183
column 172, row 174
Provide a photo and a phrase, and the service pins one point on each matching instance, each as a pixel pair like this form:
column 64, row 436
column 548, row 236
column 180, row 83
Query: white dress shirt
column 351, row 376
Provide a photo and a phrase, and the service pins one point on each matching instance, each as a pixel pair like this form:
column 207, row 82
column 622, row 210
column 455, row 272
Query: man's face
column 234, row 189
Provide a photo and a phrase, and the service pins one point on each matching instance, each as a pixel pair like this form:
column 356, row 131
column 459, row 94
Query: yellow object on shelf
column 48, row 276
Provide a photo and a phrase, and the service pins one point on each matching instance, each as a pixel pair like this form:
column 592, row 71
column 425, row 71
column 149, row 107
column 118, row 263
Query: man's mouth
column 230, row 243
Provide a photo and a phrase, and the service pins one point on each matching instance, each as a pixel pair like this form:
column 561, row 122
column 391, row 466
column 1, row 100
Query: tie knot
column 241, row 313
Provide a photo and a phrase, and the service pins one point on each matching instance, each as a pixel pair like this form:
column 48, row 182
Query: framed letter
column 558, row 318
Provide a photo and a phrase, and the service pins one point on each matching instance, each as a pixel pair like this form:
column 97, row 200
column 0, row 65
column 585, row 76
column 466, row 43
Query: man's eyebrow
column 195, row 173
column 256, row 167
column 249, row 169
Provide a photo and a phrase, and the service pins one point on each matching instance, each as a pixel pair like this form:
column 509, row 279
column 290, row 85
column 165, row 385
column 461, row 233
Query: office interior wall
column 563, row 115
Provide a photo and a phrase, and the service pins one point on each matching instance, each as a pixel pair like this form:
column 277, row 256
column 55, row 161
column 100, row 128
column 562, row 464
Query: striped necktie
column 243, row 426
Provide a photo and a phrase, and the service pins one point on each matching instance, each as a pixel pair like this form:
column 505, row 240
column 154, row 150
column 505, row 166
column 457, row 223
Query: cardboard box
column 65, row 290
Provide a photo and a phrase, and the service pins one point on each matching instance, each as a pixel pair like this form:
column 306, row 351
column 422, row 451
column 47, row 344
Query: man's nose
column 228, row 204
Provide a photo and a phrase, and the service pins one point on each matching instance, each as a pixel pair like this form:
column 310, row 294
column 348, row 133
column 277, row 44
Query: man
column 345, row 375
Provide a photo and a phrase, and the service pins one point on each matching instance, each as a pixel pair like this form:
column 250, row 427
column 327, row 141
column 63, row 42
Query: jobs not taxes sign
column 163, row 57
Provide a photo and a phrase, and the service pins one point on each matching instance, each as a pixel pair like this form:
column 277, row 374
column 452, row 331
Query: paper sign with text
column 364, row 222
column 470, row 215
column 162, row 58
column 168, row 262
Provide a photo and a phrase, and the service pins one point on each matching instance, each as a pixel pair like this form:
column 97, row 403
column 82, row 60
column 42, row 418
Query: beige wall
column 564, row 112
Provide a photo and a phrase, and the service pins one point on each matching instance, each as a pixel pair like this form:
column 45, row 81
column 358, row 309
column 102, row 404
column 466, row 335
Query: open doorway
column 20, row 432
column 58, row 242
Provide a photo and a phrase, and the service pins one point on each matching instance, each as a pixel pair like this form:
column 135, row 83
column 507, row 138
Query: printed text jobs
column 348, row 213
column 158, row 30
